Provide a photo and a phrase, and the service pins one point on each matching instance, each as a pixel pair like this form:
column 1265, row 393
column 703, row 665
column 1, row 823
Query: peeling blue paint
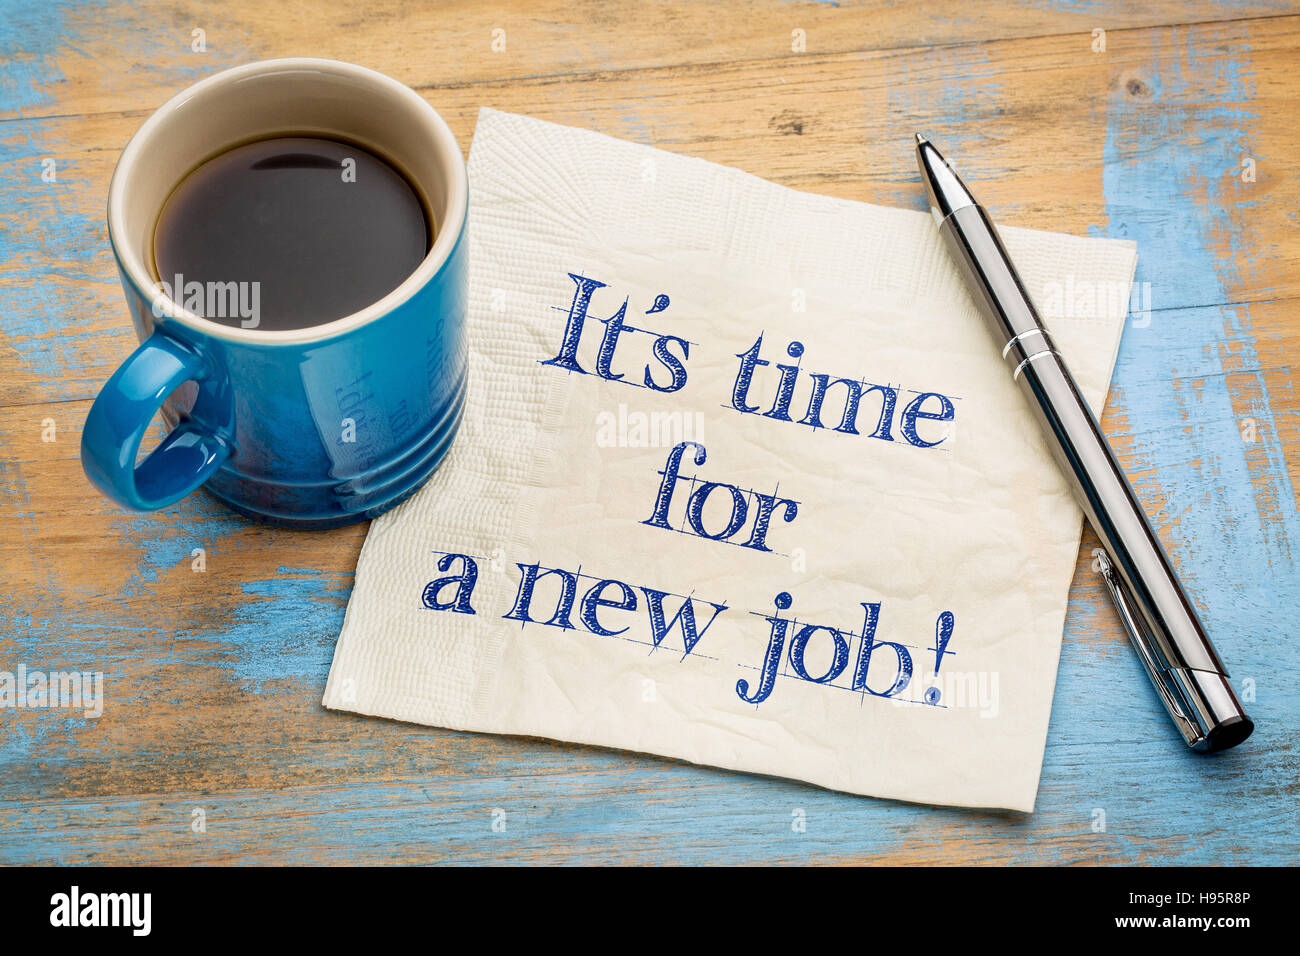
column 1167, row 185
column 31, row 34
column 959, row 115
column 287, row 628
column 56, row 247
column 167, row 539
column 53, row 254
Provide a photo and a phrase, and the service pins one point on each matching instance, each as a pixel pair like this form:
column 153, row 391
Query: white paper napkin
column 948, row 535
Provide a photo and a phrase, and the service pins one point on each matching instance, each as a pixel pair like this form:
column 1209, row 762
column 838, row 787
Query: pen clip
column 1160, row 677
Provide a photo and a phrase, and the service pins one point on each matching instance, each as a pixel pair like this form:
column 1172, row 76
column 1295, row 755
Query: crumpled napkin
column 742, row 480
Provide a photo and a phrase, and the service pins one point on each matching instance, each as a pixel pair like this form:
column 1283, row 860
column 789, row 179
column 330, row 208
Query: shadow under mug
column 314, row 427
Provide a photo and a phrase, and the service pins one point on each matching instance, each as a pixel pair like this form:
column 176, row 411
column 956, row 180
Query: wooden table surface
column 1181, row 133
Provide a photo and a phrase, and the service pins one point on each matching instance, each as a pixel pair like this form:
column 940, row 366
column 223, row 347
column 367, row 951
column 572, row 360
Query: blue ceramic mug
column 313, row 427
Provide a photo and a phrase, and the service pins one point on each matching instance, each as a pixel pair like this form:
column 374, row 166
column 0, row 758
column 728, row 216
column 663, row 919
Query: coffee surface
column 288, row 233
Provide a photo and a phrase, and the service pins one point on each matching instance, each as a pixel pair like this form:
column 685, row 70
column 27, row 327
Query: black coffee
column 289, row 232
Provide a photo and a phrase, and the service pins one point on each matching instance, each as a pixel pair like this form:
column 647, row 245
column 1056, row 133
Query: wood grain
column 214, row 677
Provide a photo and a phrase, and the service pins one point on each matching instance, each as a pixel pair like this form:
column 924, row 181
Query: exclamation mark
column 942, row 635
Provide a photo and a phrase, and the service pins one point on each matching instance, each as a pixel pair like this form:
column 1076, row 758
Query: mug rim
column 448, row 232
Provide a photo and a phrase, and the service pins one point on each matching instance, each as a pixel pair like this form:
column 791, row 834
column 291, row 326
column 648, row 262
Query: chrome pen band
column 1011, row 342
column 1037, row 355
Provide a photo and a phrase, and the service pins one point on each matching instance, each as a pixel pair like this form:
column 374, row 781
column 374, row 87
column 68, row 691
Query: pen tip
column 920, row 139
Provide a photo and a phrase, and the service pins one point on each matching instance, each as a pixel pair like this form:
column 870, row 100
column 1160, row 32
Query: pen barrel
column 1199, row 697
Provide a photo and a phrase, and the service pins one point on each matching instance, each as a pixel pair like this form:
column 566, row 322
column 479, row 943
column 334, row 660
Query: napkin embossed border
column 903, row 643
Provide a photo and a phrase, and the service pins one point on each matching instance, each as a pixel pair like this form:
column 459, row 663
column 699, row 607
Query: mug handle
column 120, row 416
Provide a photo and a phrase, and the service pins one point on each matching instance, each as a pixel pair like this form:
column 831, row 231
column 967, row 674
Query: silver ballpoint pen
column 1160, row 620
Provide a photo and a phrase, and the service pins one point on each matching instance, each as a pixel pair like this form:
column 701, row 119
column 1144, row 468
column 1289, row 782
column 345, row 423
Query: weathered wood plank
column 84, row 58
